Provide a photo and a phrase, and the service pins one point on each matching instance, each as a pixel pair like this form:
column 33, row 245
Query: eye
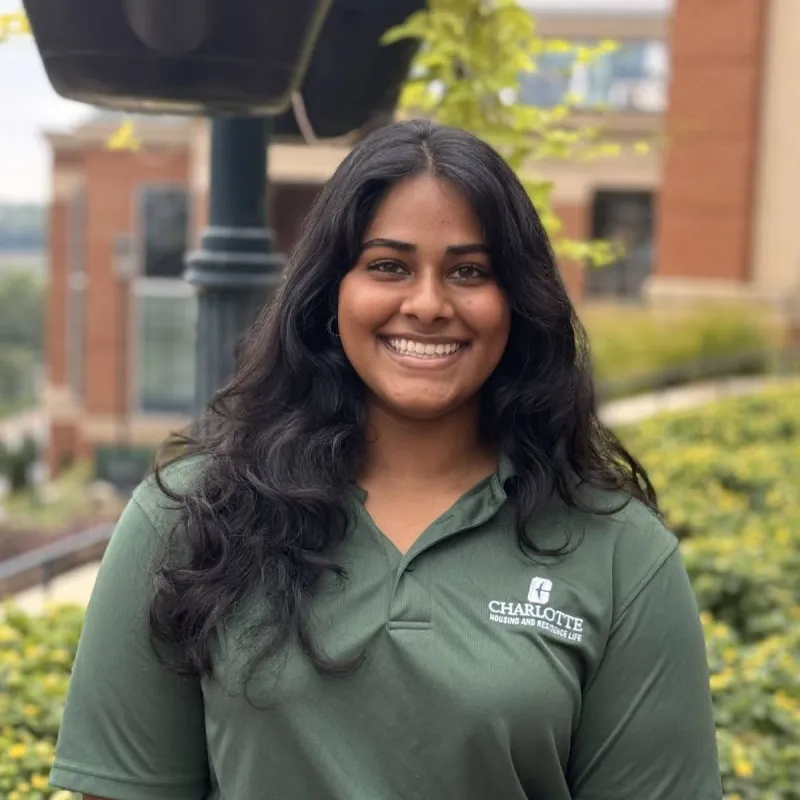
column 470, row 272
column 387, row 268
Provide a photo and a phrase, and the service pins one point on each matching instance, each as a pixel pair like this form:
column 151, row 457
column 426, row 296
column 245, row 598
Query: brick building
column 716, row 200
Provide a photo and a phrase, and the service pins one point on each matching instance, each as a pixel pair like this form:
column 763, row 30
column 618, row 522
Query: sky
column 28, row 104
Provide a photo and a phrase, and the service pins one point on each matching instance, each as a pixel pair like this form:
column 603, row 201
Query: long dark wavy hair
column 282, row 443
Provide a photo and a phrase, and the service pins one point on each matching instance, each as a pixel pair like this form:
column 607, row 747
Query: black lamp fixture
column 353, row 80
column 177, row 56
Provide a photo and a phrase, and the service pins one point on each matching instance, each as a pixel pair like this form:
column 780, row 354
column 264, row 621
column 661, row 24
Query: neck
column 420, row 453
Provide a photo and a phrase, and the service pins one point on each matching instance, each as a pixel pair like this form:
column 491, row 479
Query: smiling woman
column 422, row 317
column 400, row 556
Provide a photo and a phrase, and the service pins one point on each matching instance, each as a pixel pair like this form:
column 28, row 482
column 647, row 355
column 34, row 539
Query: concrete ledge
column 663, row 289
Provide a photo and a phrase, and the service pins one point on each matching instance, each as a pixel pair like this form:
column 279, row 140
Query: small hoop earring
column 333, row 333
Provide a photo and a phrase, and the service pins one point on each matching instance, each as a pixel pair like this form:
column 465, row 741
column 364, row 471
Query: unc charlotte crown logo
column 537, row 613
column 539, row 591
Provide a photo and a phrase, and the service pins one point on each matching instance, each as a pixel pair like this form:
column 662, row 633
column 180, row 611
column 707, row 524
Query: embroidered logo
column 540, row 590
column 538, row 613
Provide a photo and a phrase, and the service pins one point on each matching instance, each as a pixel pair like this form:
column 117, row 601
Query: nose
column 427, row 299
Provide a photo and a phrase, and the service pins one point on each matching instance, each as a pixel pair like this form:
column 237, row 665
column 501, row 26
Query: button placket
column 411, row 602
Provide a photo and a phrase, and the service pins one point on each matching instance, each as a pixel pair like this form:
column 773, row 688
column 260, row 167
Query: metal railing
column 40, row 566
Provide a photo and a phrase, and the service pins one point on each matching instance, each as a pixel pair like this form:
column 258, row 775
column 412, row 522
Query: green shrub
column 36, row 654
column 729, row 480
column 16, row 463
column 631, row 346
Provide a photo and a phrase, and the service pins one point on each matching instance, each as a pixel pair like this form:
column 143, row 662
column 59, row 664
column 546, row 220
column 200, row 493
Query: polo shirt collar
column 505, row 471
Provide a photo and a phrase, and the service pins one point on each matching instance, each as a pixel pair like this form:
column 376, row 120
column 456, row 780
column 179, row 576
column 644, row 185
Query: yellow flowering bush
column 36, row 654
column 728, row 478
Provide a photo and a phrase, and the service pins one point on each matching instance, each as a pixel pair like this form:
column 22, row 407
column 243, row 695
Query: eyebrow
column 407, row 247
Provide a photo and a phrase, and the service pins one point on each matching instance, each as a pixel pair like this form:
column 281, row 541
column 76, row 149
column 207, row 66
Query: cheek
column 362, row 306
column 490, row 317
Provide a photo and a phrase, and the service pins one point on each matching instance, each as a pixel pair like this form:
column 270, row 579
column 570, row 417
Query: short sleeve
column 131, row 729
column 646, row 728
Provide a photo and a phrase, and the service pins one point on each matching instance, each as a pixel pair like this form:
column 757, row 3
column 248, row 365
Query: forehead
column 425, row 208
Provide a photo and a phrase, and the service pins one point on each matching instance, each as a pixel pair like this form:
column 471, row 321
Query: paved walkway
column 71, row 587
column 76, row 586
column 682, row 398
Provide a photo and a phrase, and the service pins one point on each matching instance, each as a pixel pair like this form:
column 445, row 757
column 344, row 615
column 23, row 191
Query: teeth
column 421, row 350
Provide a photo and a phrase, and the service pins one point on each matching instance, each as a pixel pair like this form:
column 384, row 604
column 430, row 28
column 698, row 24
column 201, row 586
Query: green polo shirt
column 488, row 675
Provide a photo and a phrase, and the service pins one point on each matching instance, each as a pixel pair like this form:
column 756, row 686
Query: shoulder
column 620, row 546
column 633, row 531
column 150, row 497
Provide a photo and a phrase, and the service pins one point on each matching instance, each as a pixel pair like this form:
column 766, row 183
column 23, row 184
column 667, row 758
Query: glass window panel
column 164, row 229
column 632, row 78
column 166, row 365
column 625, row 218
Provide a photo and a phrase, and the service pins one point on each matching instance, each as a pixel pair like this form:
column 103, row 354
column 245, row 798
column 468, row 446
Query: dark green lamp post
column 243, row 64
column 236, row 267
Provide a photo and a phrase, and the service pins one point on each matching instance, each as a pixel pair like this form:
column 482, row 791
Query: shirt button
column 410, row 566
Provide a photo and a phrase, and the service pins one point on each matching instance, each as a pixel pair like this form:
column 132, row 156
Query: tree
column 21, row 309
column 467, row 73
column 21, row 335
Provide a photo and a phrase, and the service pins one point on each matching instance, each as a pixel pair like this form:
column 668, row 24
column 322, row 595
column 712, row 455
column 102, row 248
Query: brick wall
column 111, row 181
column 56, row 315
column 707, row 199
column 576, row 221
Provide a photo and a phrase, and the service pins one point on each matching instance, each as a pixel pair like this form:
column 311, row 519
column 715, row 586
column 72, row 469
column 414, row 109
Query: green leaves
column 467, row 74
column 13, row 24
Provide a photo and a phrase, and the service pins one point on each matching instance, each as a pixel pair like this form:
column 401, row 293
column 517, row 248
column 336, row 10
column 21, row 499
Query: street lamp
column 353, row 79
column 236, row 269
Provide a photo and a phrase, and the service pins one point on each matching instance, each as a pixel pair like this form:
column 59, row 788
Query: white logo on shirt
column 537, row 613
column 540, row 590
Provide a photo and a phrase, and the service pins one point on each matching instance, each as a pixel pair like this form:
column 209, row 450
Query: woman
column 401, row 557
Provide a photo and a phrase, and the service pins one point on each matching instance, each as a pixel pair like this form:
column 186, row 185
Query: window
column 166, row 307
column 626, row 218
column 164, row 228
column 632, row 78
column 76, row 291
column 166, row 324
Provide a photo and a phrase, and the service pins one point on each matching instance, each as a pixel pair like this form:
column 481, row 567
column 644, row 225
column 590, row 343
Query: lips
column 410, row 347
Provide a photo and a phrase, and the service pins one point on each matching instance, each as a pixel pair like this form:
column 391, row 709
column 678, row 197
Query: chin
column 422, row 411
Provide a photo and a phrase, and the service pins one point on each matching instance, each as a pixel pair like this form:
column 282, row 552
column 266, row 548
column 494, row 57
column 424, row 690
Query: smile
column 424, row 351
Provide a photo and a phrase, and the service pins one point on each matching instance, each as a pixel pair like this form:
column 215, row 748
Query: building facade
column 706, row 215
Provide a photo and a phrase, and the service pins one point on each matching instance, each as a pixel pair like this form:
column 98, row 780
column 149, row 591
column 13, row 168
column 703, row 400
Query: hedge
column 729, row 476
column 643, row 349
column 35, row 658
